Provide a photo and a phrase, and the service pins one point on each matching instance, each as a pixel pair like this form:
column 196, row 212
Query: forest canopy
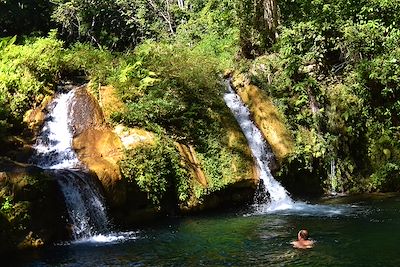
column 332, row 68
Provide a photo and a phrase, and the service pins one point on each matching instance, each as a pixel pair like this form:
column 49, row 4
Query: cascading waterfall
column 279, row 198
column 53, row 145
column 84, row 201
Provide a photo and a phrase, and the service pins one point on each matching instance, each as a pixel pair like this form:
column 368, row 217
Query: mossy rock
column 32, row 207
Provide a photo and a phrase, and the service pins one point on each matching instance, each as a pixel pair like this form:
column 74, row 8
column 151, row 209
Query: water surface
column 349, row 231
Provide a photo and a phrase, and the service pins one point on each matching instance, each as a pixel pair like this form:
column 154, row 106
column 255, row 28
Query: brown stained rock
column 35, row 117
column 97, row 146
column 109, row 101
column 191, row 162
column 100, row 149
column 266, row 116
column 85, row 112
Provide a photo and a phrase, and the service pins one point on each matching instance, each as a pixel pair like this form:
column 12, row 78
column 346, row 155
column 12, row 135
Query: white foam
column 107, row 238
column 54, row 144
column 279, row 197
column 304, row 209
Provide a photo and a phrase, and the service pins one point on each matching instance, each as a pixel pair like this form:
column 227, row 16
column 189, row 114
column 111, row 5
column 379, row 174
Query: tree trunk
column 181, row 4
column 271, row 18
column 259, row 20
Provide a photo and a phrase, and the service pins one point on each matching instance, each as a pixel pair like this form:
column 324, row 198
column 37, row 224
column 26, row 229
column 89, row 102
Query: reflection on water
column 348, row 232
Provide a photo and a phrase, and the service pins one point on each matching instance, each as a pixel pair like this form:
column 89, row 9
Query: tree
column 258, row 22
column 117, row 24
column 18, row 17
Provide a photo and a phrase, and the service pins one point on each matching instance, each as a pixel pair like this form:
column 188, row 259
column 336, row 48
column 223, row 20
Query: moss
column 25, row 194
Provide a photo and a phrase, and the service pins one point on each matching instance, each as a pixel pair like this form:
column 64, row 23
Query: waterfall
column 332, row 177
column 54, row 152
column 53, row 145
column 278, row 196
column 85, row 203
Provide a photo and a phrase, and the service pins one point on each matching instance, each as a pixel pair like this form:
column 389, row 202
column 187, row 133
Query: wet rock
column 33, row 209
column 100, row 149
column 97, row 146
column 267, row 117
column 85, row 112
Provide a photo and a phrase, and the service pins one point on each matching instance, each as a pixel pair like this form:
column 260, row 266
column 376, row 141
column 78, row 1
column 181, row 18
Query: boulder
column 134, row 137
column 34, row 118
column 97, row 146
column 85, row 112
column 99, row 149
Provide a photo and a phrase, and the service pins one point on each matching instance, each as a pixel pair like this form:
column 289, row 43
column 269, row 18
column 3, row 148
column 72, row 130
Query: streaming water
column 84, row 201
column 279, row 198
column 53, row 145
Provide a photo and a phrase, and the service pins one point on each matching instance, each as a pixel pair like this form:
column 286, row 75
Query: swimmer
column 302, row 241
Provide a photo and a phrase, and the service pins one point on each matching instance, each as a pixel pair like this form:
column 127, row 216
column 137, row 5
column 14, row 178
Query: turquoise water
column 349, row 231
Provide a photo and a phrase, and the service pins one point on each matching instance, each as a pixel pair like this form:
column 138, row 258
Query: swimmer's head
column 303, row 234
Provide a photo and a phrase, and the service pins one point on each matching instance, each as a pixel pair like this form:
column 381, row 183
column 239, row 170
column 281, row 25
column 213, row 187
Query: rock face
column 34, row 117
column 27, row 191
column 266, row 116
column 97, row 146
column 109, row 101
column 32, row 212
column 190, row 160
column 239, row 184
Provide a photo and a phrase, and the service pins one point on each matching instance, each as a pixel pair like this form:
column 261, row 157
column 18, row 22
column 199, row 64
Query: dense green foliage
column 331, row 67
column 24, row 72
column 183, row 100
column 156, row 170
column 334, row 73
column 169, row 89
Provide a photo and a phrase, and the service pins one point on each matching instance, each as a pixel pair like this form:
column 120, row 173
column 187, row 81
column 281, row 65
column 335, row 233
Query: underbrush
column 335, row 78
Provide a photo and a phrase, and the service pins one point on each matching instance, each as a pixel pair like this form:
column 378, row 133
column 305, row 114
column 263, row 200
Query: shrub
column 156, row 169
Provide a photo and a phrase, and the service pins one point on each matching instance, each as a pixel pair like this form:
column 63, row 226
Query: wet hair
column 303, row 234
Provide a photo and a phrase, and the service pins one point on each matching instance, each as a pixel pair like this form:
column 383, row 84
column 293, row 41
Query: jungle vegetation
column 332, row 68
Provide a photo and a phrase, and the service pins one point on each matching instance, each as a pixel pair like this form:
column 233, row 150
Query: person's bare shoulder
column 303, row 245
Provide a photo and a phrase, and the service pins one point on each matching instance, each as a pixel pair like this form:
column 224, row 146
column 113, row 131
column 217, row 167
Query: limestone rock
column 97, row 146
column 85, row 112
column 109, row 101
column 100, row 149
column 35, row 117
column 190, row 160
column 266, row 116
column 134, row 137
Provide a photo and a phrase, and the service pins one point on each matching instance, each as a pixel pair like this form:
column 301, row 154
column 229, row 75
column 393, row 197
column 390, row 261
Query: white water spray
column 279, row 198
column 54, row 144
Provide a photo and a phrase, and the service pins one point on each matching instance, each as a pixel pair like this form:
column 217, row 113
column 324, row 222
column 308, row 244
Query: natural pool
column 349, row 231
